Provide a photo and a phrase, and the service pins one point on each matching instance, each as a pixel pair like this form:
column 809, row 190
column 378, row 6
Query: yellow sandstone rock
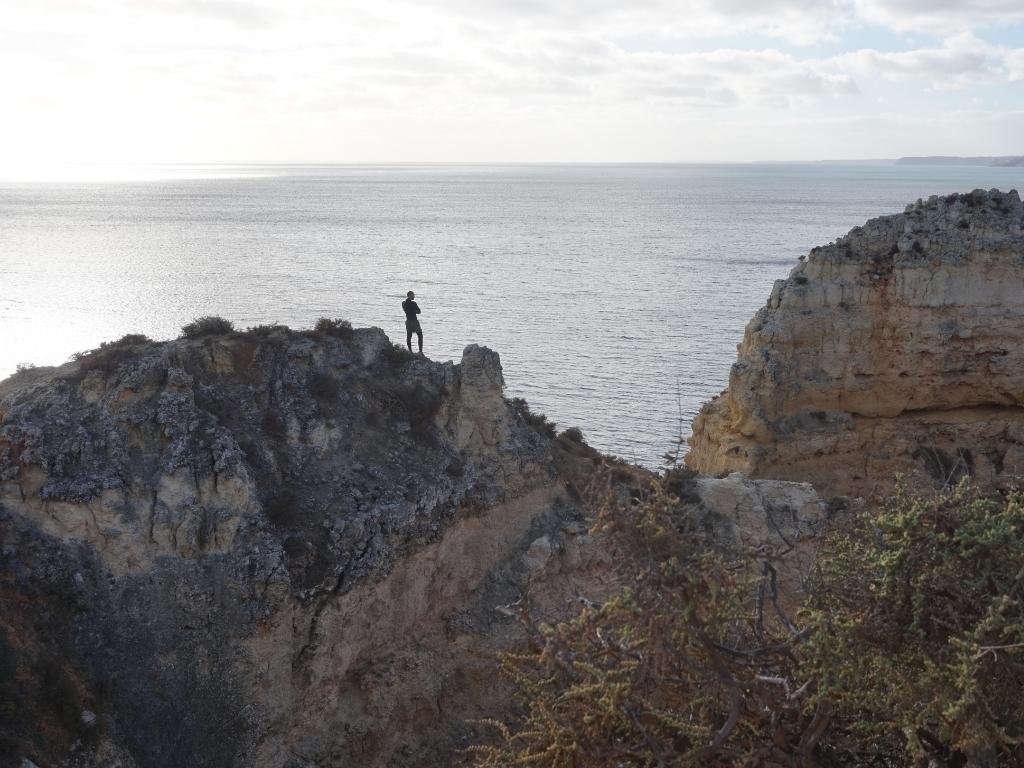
column 898, row 349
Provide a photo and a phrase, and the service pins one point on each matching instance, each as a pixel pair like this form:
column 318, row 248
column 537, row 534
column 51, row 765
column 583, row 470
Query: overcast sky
column 508, row 80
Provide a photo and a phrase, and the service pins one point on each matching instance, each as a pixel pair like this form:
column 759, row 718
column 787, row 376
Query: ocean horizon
column 615, row 293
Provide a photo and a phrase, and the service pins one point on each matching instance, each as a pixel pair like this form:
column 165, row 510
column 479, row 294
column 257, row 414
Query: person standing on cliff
column 412, row 323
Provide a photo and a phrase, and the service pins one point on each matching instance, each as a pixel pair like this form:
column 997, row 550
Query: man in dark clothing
column 412, row 323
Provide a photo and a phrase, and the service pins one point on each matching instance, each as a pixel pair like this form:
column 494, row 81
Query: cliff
column 282, row 550
column 897, row 349
column 265, row 550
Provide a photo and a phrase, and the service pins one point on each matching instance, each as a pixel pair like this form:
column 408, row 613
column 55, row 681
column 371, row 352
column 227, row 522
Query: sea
column 615, row 294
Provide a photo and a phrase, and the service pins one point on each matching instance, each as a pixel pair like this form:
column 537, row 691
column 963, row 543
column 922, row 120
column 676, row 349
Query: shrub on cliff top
column 395, row 355
column 573, row 435
column 109, row 355
column 341, row 329
column 128, row 340
column 209, row 325
column 265, row 330
column 23, row 369
column 537, row 421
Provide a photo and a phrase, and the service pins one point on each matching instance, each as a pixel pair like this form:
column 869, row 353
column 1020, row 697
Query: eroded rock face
column 897, row 349
column 267, row 549
column 280, row 550
column 780, row 523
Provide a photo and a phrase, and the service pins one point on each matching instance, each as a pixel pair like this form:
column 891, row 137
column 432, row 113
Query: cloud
column 961, row 61
column 795, row 20
column 1014, row 63
column 454, row 55
column 939, row 17
column 224, row 73
column 574, row 73
column 731, row 77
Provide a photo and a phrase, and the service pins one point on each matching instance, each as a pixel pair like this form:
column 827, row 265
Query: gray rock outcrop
column 273, row 549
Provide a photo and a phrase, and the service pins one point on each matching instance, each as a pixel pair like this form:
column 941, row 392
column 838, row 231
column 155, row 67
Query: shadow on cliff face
column 164, row 652
column 85, row 660
column 943, row 468
column 42, row 694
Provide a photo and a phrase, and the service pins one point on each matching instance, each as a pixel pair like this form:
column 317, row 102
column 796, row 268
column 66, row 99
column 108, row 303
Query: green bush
column 537, row 421
column 209, row 325
column 920, row 647
column 341, row 329
column 396, row 355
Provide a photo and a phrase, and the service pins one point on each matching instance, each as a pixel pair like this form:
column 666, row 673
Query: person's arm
column 417, row 307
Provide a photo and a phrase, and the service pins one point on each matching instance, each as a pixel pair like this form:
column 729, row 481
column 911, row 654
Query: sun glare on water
column 86, row 173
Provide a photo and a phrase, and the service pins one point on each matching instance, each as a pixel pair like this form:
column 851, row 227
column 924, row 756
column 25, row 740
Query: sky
column 233, row 81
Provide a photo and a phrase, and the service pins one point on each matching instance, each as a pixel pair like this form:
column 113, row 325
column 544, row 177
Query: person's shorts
column 413, row 326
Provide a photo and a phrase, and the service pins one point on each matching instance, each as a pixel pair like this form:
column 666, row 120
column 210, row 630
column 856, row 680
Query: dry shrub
column 266, row 330
column 128, row 340
column 109, row 355
column 24, row 370
column 911, row 650
column 681, row 668
column 573, row 435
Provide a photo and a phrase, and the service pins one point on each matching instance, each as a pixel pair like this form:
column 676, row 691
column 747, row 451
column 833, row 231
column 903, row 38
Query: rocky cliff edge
column 262, row 549
column 279, row 549
column 897, row 349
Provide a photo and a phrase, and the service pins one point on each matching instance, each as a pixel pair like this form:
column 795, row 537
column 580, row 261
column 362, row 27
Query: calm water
column 615, row 294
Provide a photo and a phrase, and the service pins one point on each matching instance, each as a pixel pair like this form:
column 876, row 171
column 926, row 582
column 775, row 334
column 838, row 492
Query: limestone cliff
column 285, row 550
column 897, row 349
column 266, row 549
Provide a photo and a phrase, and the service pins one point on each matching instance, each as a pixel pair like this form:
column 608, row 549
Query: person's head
column 410, row 295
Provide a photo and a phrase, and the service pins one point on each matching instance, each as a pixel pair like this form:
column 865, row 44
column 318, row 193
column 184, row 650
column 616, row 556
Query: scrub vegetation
column 336, row 327
column 109, row 355
column 909, row 649
column 209, row 325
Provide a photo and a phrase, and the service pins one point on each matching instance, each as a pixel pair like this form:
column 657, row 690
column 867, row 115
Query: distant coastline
column 1000, row 161
column 1004, row 161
